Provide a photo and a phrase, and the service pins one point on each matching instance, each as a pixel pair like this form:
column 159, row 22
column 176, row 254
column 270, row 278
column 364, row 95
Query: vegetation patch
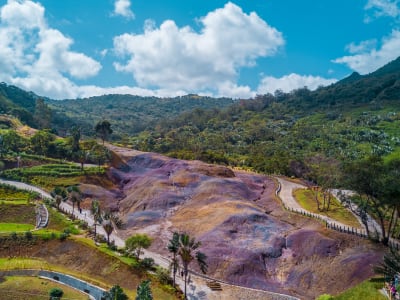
column 367, row 290
column 13, row 227
column 306, row 199
column 13, row 213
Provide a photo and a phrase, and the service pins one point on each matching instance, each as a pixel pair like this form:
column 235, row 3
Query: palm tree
column 173, row 247
column 188, row 252
column 108, row 228
column 111, row 221
column 59, row 194
column 75, row 196
column 96, row 212
column 390, row 266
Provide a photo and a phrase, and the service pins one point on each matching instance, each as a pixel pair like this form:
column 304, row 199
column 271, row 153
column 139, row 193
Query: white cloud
column 364, row 46
column 368, row 60
column 123, row 8
column 176, row 58
column 290, row 82
column 37, row 57
column 383, row 8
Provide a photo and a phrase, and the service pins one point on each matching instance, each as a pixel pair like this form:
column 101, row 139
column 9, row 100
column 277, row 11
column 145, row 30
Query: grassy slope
column 336, row 211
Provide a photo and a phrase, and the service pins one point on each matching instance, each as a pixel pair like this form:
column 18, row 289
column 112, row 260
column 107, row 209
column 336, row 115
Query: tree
column 188, row 251
column 325, row 172
column 59, row 194
column 143, row 291
column 137, row 242
column 99, row 154
column 103, row 129
column 75, row 196
column 377, row 188
column 75, row 133
column 13, row 142
column 173, row 247
column 96, row 212
column 110, row 222
column 115, row 293
column 40, row 141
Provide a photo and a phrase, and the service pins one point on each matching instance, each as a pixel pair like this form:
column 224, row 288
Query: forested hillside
column 129, row 114
column 281, row 133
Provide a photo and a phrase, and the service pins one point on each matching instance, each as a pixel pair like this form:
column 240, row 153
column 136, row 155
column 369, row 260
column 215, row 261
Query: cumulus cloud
column 383, row 8
column 290, row 82
column 179, row 58
column 123, row 8
column 366, row 60
column 37, row 57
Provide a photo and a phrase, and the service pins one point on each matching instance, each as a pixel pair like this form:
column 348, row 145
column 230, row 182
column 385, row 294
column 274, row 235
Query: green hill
column 130, row 114
column 279, row 133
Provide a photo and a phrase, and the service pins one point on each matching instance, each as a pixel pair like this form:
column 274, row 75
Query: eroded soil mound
column 248, row 237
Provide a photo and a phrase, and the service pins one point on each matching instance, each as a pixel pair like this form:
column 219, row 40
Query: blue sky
column 82, row 48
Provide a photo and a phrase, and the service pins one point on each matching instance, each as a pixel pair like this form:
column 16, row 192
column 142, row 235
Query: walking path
column 197, row 288
column 286, row 194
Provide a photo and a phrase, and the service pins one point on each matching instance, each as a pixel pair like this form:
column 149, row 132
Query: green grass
column 13, row 227
column 33, row 288
column 336, row 211
column 367, row 290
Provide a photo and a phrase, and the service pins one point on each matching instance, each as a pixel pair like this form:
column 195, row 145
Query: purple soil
column 247, row 236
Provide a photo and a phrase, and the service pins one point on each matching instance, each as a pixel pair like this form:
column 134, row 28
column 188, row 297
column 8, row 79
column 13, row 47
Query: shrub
column 146, row 263
column 163, row 277
column 28, row 235
column 56, row 293
column 13, row 235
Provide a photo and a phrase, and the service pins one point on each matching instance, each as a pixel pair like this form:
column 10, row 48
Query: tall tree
column 103, row 129
column 75, row 133
column 75, row 196
column 110, row 222
column 188, row 251
column 96, row 212
column 173, row 247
